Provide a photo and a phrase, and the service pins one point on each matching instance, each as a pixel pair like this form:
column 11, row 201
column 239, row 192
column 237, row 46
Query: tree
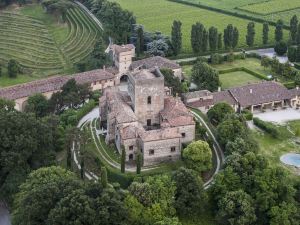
column 279, row 31
column 41, row 192
column 265, row 62
column 230, row 129
column 213, row 38
column 190, row 197
column 140, row 41
column 139, row 162
column 37, row 104
column 13, row 68
column 293, row 28
column 26, row 143
column 198, row 156
column 104, row 181
column 285, row 214
column 235, row 39
column 220, row 42
column 298, row 35
column 280, row 48
column 172, row 81
column 240, row 146
column 123, row 159
column 205, row 77
column 231, row 37
column 219, row 112
column 265, row 33
column 250, row 34
column 236, row 207
column 176, row 37
column 71, row 135
column 169, row 221
column 7, row 105
column 292, row 54
column 197, row 37
column 298, row 54
column 204, row 45
column 158, row 47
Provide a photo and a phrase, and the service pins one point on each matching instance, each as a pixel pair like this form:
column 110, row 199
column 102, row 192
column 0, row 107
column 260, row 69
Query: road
column 4, row 215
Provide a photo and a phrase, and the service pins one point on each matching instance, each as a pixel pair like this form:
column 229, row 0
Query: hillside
column 43, row 45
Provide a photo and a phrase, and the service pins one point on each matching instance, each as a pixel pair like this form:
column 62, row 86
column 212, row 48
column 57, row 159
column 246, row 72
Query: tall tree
column 235, row 39
column 218, row 112
column 265, row 33
column 197, row 37
column 13, row 68
column 213, row 38
column 104, row 180
column 176, row 37
column 204, row 46
column 220, row 42
column 298, row 35
column 37, row 104
column 123, row 159
column 139, row 162
column 279, row 30
column 231, row 36
column 140, row 41
column 293, row 28
column 250, row 34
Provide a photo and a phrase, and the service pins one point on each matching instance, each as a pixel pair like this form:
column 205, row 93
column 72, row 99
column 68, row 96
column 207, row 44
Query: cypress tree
column 197, row 37
column 293, row 28
column 104, row 181
column 139, row 162
column 250, row 34
column 298, row 35
column 213, row 38
column 292, row 54
column 123, row 159
column 82, row 169
column 235, row 37
column 140, row 41
column 176, row 37
column 220, row 42
column 204, row 40
column 69, row 158
column 279, row 31
column 265, row 33
column 228, row 36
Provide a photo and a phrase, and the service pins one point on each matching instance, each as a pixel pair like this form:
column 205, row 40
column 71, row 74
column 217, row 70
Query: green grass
column 161, row 14
column 238, row 78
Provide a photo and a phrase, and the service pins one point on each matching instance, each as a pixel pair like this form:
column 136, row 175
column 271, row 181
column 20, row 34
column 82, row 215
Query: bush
column 267, row 127
column 247, row 114
column 281, row 48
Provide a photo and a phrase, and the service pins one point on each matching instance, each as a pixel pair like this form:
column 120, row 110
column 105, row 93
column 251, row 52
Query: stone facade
column 145, row 119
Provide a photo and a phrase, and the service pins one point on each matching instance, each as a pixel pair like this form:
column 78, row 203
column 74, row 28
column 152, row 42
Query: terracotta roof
column 201, row 103
column 175, row 113
column 161, row 134
column 156, row 61
column 128, row 132
column 223, row 96
column 122, row 48
column 196, row 94
column 52, row 84
column 255, row 94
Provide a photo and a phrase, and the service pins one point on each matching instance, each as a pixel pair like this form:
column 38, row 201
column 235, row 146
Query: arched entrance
column 124, row 78
column 130, row 157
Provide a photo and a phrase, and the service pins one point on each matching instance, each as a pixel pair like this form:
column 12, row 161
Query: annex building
column 146, row 119
column 254, row 97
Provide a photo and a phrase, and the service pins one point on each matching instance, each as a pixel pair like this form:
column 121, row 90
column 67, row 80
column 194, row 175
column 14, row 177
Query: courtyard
column 280, row 116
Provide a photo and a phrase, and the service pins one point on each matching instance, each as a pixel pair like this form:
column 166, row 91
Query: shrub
column 247, row 114
column 267, row 127
column 281, row 48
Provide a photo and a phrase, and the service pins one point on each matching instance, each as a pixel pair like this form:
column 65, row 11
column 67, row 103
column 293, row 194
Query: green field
column 42, row 45
column 161, row 14
column 270, row 10
column 238, row 78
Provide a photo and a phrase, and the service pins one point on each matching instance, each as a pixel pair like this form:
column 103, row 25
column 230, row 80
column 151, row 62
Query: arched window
column 149, row 100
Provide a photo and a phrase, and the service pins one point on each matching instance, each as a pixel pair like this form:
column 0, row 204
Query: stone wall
column 189, row 133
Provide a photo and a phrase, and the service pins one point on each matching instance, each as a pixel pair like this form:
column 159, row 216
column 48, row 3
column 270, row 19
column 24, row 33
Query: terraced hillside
column 41, row 44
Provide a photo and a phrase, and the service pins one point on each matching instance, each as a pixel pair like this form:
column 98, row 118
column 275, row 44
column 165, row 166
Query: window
column 151, row 152
column 149, row 100
column 131, row 147
column 183, row 135
column 173, row 149
column 149, row 123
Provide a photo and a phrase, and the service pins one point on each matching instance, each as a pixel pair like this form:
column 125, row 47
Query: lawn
column 163, row 12
column 238, row 78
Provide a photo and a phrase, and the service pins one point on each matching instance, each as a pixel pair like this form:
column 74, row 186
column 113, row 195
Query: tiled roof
column 196, row 94
column 52, row 84
column 122, row 48
column 128, row 132
column 223, row 96
column 263, row 92
column 161, row 134
column 175, row 113
column 156, row 61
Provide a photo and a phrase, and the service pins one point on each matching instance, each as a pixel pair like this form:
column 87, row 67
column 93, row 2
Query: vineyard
column 44, row 48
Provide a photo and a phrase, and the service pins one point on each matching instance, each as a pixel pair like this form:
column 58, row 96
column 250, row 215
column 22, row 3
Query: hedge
column 267, row 127
column 236, row 14
column 258, row 75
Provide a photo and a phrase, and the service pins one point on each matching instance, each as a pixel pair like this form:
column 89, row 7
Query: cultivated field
column 271, row 10
column 42, row 45
column 161, row 14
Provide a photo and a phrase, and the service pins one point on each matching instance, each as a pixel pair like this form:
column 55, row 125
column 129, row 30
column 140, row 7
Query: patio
column 280, row 116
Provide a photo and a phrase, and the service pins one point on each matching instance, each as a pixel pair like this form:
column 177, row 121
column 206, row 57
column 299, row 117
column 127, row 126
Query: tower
column 146, row 90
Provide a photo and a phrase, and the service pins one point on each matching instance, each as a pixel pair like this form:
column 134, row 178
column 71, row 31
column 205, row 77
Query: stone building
column 96, row 79
column 254, row 97
column 145, row 119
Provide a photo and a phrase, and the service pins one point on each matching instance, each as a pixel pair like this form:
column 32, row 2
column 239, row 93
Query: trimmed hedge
column 255, row 74
column 267, row 127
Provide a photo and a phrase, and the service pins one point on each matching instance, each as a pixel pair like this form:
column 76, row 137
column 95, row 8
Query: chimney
column 104, row 67
column 297, row 87
column 219, row 89
column 251, row 91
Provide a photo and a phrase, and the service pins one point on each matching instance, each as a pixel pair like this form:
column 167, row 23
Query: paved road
column 4, row 216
